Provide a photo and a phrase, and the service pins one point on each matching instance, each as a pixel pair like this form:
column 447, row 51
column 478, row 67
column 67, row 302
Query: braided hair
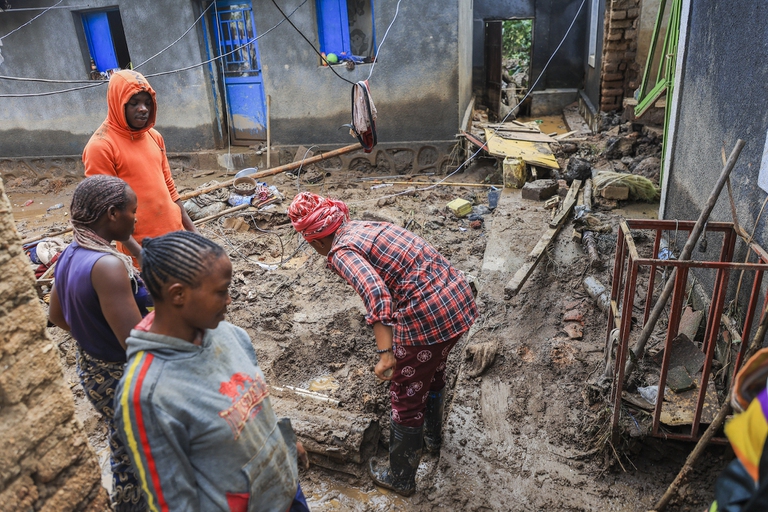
column 91, row 200
column 181, row 255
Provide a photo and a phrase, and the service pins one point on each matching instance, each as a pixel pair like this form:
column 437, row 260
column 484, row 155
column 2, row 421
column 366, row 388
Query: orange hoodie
column 137, row 157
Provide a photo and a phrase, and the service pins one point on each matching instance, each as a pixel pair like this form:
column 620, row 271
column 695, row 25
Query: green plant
column 516, row 40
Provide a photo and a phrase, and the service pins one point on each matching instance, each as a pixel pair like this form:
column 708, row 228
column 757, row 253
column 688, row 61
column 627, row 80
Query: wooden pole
column 269, row 132
column 40, row 237
column 276, row 170
column 427, row 183
column 233, row 210
column 754, row 346
column 639, row 349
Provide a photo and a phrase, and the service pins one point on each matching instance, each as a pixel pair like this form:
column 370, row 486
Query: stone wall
column 620, row 72
column 46, row 462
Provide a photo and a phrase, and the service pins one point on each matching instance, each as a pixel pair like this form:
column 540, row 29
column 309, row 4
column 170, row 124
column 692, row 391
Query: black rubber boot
column 433, row 422
column 405, row 444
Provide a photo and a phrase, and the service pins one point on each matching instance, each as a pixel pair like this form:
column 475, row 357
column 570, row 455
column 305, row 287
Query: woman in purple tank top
column 99, row 298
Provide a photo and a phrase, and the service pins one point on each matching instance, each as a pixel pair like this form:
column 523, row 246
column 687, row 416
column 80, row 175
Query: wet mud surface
column 523, row 435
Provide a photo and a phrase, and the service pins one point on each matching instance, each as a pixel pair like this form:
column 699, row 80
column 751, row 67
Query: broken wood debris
column 524, row 272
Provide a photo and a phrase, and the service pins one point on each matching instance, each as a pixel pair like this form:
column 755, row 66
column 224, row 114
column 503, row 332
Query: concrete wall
column 721, row 85
column 45, row 460
column 465, row 56
column 415, row 83
column 551, row 20
column 52, row 47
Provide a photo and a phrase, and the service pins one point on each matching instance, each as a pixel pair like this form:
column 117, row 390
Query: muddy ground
column 524, row 435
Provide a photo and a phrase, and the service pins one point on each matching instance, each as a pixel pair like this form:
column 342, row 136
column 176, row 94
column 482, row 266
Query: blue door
column 246, row 103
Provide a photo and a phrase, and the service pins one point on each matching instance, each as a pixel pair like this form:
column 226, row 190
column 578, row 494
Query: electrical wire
column 378, row 50
column 30, row 21
column 27, row 95
column 311, row 44
column 485, row 144
column 298, row 173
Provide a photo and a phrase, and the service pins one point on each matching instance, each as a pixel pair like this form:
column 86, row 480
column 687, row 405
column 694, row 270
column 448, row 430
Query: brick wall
column 619, row 73
column 46, row 462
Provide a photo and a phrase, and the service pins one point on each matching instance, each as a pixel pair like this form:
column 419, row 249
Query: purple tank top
column 81, row 307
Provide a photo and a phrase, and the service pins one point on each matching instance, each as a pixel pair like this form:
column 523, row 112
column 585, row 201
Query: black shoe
column 433, row 422
column 405, row 444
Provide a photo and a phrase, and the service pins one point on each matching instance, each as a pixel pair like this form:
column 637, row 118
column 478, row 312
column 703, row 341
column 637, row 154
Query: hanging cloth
column 363, row 116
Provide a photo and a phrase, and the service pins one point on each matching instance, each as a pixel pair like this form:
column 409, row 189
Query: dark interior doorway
column 508, row 46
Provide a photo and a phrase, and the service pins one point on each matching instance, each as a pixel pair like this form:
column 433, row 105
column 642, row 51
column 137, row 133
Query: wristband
column 383, row 350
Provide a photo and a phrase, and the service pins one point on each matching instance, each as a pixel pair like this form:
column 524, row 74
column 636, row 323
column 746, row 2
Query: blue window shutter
column 99, row 39
column 333, row 26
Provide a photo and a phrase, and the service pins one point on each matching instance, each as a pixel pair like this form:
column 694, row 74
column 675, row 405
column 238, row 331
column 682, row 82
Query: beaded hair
column 91, row 200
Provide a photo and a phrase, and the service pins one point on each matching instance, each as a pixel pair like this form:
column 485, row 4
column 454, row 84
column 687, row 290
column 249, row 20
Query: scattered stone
column 690, row 322
column 615, row 192
column 539, row 190
column 574, row 330
column 568, row 148
column 649, row 167
column 573, row 315
column 617, row 147
column 578, row 169
column 476, row 224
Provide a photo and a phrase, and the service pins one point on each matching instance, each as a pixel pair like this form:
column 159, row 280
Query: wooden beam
column 524, row 272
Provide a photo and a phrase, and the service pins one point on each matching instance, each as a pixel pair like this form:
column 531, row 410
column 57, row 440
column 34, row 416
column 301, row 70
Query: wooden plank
column 524, row 272
column 564, row 135
column 533, row 153
column 527, row 136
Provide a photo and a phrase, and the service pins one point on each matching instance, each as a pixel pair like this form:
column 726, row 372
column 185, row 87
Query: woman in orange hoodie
column 127, row 146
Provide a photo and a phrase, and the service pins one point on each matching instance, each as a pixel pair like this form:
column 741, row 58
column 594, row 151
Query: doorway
column 508, row 45
column 235, row 40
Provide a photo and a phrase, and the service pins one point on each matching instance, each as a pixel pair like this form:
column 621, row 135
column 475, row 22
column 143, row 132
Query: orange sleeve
column 166, row 167
column 99, row 158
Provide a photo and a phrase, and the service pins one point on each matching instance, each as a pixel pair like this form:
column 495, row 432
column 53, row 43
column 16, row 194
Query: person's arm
column 369, row 285
column 185, row 220
column 98, row 158
column 383, row 334
column 55, row 314
column 113, row 287
column 134, row 248
column 157, row 442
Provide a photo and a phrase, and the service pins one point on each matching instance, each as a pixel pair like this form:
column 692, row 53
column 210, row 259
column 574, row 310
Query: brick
column 616, row 84
column 574, row 330
column 617, row 192
column 539, row 190
column 616, row 45
column 613, row 92
column 630, row 56
column 20, row 495
column 623, row 66
column 611, row 57
column 610, row 77
column 622, row 23
column 610, row 68
column 615, row 35
column 633, row 12
column 619, row 15
column 630, row 34
column 573, row 315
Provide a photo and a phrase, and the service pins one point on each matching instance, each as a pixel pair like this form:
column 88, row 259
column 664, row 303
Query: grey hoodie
column 199, row 425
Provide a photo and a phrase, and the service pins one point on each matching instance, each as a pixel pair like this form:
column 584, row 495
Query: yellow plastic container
column 460, row 207
column 515, row 172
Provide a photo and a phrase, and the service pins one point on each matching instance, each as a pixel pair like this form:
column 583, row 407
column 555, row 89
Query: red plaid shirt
column 404, row 282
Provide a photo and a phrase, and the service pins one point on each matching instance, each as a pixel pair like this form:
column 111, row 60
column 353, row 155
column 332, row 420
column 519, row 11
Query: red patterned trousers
column 420, row 369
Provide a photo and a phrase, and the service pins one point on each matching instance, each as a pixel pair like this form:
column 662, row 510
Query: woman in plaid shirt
column 419, row 307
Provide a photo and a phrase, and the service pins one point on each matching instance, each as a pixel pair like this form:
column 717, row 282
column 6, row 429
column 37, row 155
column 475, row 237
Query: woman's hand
column 301, row 455
column 386, row 366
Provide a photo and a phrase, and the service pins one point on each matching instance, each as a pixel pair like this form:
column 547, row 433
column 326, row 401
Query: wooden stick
column 48, row 235
column 234, row 209
column 524, row 272
column 754, row 346
column 269, row 131
column 275, row 170
column 639, row 349
column 427, row 183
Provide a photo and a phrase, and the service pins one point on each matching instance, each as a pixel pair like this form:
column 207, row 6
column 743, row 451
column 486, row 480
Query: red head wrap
column 315, row 216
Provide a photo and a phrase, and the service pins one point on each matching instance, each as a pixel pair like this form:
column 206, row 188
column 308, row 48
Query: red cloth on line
column 315, row 216
column 404, row 282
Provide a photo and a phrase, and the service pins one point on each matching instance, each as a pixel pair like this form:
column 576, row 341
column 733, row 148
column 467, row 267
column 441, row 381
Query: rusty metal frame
column 627, row 268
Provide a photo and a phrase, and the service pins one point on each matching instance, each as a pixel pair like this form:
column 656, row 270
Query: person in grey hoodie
column 193, row 406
